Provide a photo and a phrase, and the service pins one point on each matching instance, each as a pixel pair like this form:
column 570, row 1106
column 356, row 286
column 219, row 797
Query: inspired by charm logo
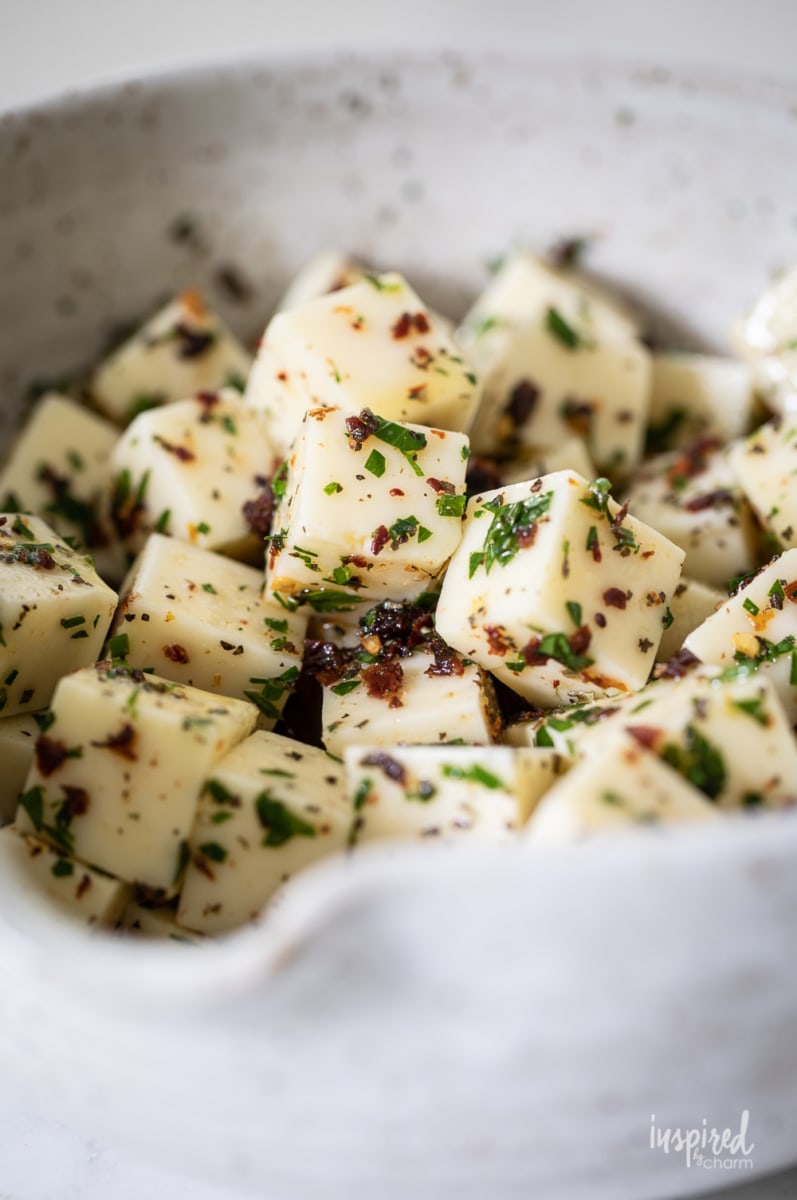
column 704, row 1147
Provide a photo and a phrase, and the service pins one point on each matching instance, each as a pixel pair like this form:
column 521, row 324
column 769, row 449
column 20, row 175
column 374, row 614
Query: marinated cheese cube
column 155, row 924
column 691, row 603
column 371, row 345
column 371, row 509
column 558, row 591
column 58, row 469
column 328, row 271
column 533, row 461
column 766, row 467
column 81, row 893
column 54, row 612
column 183, row 349
column 556, row 359
column 200, row 619
column 17, row 740
column 755, row 630
column 117, row 775
column 695, row 396
column 623, row 784
column 444, row 791
column 188, row 469
column 767, row 339
column 563, row 730
column 270, row 808
column 730, row 738
column 417, row 698
column 693, row 497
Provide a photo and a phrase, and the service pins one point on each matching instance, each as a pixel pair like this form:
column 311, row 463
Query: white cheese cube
column 81, row 893
column 693, row 497
column 156, row 924
column 444, row 791
column 622, row 785
column 328, row 271
column 767, row 339
column 183, row 349
column 200, row 619
column 188, row 469
column 557, row 591
column 756, row 630
column 556, row 360
column 17, row 739
column 399, row 701
column 563, row 730
column 766, row 467
column 698, row 395
column 54, row 612
column 117, row 775
column 270, row 808
column 371, row 509
column 58, row 470
column 533, row 461
column 691, row 603
column 373, row 345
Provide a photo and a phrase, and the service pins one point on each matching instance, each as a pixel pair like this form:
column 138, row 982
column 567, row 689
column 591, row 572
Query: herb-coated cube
column 371, row 345
column 188, row 469
column 556, row 359
column 623, row 784
column 183, row 349
column 766, row 467
column 371, row 509
column 270, row 808
column 691, row 603
column 558, row 591
column 444, row 791
column 17, row 740
column 198, row 618
column 693, row 497
column 695, row 396
column 755, row 629
column 563, row 730
column 54, row 612
column 89, row 896
column 117, row 775
column 765, row 339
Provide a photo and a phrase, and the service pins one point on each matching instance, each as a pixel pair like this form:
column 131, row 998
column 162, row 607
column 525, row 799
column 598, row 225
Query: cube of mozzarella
column 444, row 791
column 58, row 470
column 755, row 630
column 270, row 808
column 696, row 396
column 401, row 701
column 556, row 359
column 765, row 466
column 200, row 619
column 371, row 345
column 17, row 739
column 183, row 349
column 117, row 775
column 54, row 612
column 188, row 469
column 691, row 603
column 557, row 591
column 371, row 509
column 767, row 339
column 693, row 497
column 328, row 271
column 81, row 893
column 623, row 784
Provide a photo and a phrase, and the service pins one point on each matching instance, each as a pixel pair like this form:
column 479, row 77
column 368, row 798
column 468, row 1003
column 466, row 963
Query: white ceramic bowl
column 478, row 1024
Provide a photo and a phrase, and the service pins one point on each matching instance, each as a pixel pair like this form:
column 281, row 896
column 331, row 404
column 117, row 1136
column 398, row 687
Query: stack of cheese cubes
column 520, row 581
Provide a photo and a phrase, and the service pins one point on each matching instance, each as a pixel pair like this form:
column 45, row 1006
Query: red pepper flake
column 396, row 492
column 176, row 653
column 181, row 453
column 357, row 560
column 282, row 376
column 719, row 498
column 679, row 665
column 83, row 887
column 409, row 321
column 76, row 801
column 531, row 654
column 522, row 402
column 380, row 539
column 526, row 535
column 50, row 754
column 580, row 639
column 496, row 639
column 614, row 597
column 790, row 591
column 692, row 460
column 441, row 485
column 416, row 393
column 122, row 743
column 644, row 735
column 384, row 681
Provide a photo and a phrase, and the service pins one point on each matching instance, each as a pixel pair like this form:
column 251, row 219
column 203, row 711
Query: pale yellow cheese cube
column 691, row 603
column 766, row 467
column 698, row 395
column 183, row 349
column 373, row 345
column 117, row 775
column 533, row 461
column 269, row 809
column 558, row 591
column 54, row 612
column 17, row 739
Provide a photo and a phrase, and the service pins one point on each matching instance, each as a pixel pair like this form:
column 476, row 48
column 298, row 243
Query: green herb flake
column 451, row 506
column 280, row 823
column 509, row 528
column 32, row 802
column 752, row 708
column 62, row 868
column 423, row 533
column 162, row 523
column 409, row 442
column 473, row 774
column 334, row 486
column 203, row 527
column 213, row 852
column 699, row 761
column 346, row 686
column 119, row 646
column 750, row 606
column 560, row 329
column 208, row 587
column 574, row 612
column 218, row 818
column 375, row 463
column 71, row 622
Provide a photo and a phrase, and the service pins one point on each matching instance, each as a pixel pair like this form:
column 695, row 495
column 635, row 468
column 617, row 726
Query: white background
column 52, row 46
